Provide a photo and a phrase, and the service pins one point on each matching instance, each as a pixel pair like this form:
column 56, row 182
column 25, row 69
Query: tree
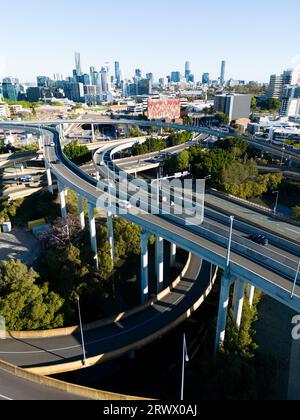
column 135, row 132
column 24, row 304
column 296, row 211
column 183, row 160
column 222, row 118
column 77, row 153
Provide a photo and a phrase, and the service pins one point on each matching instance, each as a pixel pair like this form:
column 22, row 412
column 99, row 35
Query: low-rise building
column 4, row 111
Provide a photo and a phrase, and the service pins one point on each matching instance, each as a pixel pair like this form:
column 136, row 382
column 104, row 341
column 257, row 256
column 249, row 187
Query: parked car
column 259, row 239
column 26, row 179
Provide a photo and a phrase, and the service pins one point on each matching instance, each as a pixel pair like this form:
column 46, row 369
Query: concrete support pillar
column 97, row 175
column 173, row 252
column 238, row 302
column 144, row 267
column 93, row 134
column 250, row 294
column 22, row 168
column 223, row 310
column 49, row 179
column 126, row 131
column 81, row 212
column 159, row 263
column 110, row 226
column 93, row 237
column 62, row 197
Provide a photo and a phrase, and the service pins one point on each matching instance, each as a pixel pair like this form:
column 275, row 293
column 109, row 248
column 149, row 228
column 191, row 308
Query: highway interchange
column 270, row 269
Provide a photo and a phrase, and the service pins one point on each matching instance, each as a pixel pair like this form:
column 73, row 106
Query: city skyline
column 120, row 34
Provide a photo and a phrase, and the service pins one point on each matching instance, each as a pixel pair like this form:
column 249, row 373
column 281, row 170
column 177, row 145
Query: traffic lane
column 113, row 336
column 85, row 186
column 14, row 388
column 77, row 181
column 269, row 250
column 267, row 221
column 204, row 243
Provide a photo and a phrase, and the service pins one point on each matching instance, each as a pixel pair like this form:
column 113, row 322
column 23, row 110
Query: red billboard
column 159, row 109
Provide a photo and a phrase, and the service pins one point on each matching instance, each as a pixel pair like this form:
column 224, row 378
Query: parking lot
column 19, row 244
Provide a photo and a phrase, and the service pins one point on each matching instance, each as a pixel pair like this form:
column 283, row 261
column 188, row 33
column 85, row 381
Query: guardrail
column 68, row 388
column 249, row 205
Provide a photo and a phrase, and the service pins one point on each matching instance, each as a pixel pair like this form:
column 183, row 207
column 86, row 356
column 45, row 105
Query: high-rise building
column 289, row 94
column 275, row 87
column 78, row 64
column 104, row 80
column 74, row 91
column 11, row 88
column 234, row 105
column 144, row 87
column 187, row 72
column 205, row 78
column 138, row 73
column 42, row 81
column 93, row 76
column 150, row 77
column 278, row 84
column 118, row 74
column 223, row 70
column 175, row 77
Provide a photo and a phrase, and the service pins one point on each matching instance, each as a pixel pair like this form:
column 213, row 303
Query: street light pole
column 185, row 359
column 277, row 200
column 229, row 242
column 283, row 150
column 81, row 331
column 295, row 282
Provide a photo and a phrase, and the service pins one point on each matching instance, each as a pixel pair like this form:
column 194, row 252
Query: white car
column 123, row 204
column 26, row 179
column 52, row 144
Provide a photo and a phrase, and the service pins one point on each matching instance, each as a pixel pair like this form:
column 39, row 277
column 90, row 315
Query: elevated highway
column 270, row 269
column 274, row 150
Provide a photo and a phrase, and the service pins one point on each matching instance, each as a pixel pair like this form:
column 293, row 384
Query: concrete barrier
column 68, row 388
column 64, row 332
column 73, row 366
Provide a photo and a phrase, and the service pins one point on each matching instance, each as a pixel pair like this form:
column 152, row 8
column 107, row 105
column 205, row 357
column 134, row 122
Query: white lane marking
column 5, row 398
column 292, row 230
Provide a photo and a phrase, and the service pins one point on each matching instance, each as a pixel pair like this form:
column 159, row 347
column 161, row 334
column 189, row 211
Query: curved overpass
column 272, row 149
column 272, row 270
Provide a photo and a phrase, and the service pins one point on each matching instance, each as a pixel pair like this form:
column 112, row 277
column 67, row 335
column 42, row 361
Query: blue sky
column 256, row 38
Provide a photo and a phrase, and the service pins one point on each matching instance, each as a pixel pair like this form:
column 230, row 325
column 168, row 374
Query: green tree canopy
column 24, row 304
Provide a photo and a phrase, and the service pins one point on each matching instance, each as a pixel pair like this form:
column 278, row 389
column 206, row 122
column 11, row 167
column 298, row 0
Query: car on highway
column 124, row 205
column 165, row 200
column 109, row 185
column 259, row 239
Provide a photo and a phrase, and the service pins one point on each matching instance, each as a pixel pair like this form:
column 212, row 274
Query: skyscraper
column 223, row 69
column 187, row 70
column 118, row 73
column 205, row 78
column 138, row 73
column 78, row 64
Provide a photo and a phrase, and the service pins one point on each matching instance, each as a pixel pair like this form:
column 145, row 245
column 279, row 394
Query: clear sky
column 256, row 38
